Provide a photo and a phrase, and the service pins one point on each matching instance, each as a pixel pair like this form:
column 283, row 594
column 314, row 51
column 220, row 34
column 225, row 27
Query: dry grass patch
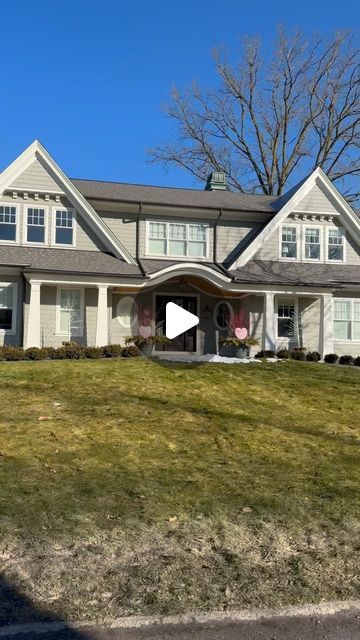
column 167, row 488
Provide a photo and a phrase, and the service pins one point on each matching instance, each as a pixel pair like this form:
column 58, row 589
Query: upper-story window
column 177, row 239
column 64, row 227
column 335, row 249
column 312, row 243
column 289, row 242
column 8, row 223
column 35, row 229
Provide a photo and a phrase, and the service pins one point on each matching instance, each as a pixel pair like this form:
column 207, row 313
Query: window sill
column 151, row 256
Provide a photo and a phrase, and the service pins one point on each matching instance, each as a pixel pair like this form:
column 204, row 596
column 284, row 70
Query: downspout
column 141, row 266
column 216, row 263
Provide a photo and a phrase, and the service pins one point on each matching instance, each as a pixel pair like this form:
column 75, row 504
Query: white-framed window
column 289, row 242
column 64, row 222
column 312, row 243
column 177, row 239
column 347, row 319
column 8, row 223
column 285, row 318
column 35, row 225
column 335, row 244
column 222, row 314
column 8, row 300
column 70, row 312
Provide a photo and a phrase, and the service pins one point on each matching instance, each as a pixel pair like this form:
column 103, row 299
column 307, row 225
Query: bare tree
column 267, row 123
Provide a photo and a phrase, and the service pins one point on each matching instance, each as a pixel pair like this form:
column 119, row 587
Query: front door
column 185, row 341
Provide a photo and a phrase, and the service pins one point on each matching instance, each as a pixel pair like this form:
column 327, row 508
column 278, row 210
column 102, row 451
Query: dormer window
column 289, row 242
column 336, row 243
column 8, row 223
column 35, row 231
column 64, row 227
column 177, row 239
column 312, row 243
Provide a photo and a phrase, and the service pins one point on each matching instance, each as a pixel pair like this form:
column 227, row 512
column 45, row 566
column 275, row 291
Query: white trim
column 153, row 322
column 17, row 223
column 350, row 220
column 343, row 232
column 345, row 340
column 12, row 331
column 82, row 310
column 168, row 256
column 215, row 312
column 290, row 299
column 71, row 210
column 25, row 208
column 36, row 151
column 296, row 226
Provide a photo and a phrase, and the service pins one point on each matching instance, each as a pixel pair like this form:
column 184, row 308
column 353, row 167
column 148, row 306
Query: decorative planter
column 146, row 349
column 241, row 352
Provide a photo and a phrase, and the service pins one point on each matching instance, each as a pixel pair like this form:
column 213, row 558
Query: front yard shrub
column 346, row 359
column 93, row 353
column 112, row 350
column 331, row 358
column 51, row 353
column 357, row 361
column 130, row 352
column 298, row 354
column 265, row 353
column 283, row 354
column 34, row 353
column 13, row 354
column 313, row 356
column 73, row 351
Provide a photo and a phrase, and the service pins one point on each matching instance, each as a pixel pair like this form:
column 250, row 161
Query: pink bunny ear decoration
column 241, row 333
column 145, row 332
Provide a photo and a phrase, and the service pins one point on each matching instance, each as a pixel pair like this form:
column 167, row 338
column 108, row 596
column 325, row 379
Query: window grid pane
column 289, row 242
column 177, row 239
column 36, row 217
column 64, row 219
column 7, row 215
column 312, row 244
column 342, row 310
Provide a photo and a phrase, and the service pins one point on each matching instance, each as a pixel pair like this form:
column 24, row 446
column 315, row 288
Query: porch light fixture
column 206, row 314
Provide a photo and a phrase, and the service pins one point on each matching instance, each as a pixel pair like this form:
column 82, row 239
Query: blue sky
column 89, row 78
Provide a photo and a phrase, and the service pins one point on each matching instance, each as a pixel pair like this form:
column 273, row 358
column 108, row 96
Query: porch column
column 269, row 341
column 33, row 337
column 102, row 333
column 326, row 324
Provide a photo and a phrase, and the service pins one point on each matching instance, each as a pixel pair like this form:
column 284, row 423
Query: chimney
column 216, row 182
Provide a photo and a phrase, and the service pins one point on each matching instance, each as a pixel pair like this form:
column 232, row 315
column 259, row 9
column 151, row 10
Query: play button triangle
column 178, row 320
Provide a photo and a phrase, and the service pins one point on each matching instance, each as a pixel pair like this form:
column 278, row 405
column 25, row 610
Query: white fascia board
column 37, row 151
column 318, row 175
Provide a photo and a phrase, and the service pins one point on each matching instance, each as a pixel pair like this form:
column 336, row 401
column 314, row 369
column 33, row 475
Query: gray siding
column 271, row 247
column 316, row 201
column 85, row 238
column 35, row 177
column 233, row 235
column 49, row 337
column 123, row 226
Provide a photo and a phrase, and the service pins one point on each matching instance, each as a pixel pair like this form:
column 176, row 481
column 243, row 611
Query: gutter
column 138, row 260
column 216, row 263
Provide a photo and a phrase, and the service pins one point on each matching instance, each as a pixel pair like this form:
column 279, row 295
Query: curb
column 234, row 616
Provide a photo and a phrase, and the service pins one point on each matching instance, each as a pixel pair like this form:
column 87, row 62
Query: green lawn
column 159, row 489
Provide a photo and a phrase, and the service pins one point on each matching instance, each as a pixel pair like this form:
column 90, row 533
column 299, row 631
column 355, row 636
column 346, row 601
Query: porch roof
column 66, row 261
column 297, row 273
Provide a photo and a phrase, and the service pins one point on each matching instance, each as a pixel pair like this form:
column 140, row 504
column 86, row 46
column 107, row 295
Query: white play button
column 178, row 320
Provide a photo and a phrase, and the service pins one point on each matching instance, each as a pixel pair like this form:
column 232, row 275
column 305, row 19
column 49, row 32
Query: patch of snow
column 212, row 358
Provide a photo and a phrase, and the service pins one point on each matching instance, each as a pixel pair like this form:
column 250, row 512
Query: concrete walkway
column 322, row 623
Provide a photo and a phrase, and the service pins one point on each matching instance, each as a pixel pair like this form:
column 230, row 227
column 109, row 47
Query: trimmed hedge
column 283, row 354
column 331, row 358
column 68, row 351
column 265, row 353
column 298, row 355
column 346, row 359
column 313, row 356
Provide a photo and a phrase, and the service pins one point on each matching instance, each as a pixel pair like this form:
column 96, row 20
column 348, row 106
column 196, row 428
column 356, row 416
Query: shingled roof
column 296, row 273
column 197, row 198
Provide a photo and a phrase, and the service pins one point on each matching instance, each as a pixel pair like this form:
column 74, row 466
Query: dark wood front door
column 185, row 341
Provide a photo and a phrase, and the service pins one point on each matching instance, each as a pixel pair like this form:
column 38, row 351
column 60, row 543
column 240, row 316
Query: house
column 77, row 257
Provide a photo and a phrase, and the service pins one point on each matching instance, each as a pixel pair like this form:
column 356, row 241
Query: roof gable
column 36, row 164
column 316, row 190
